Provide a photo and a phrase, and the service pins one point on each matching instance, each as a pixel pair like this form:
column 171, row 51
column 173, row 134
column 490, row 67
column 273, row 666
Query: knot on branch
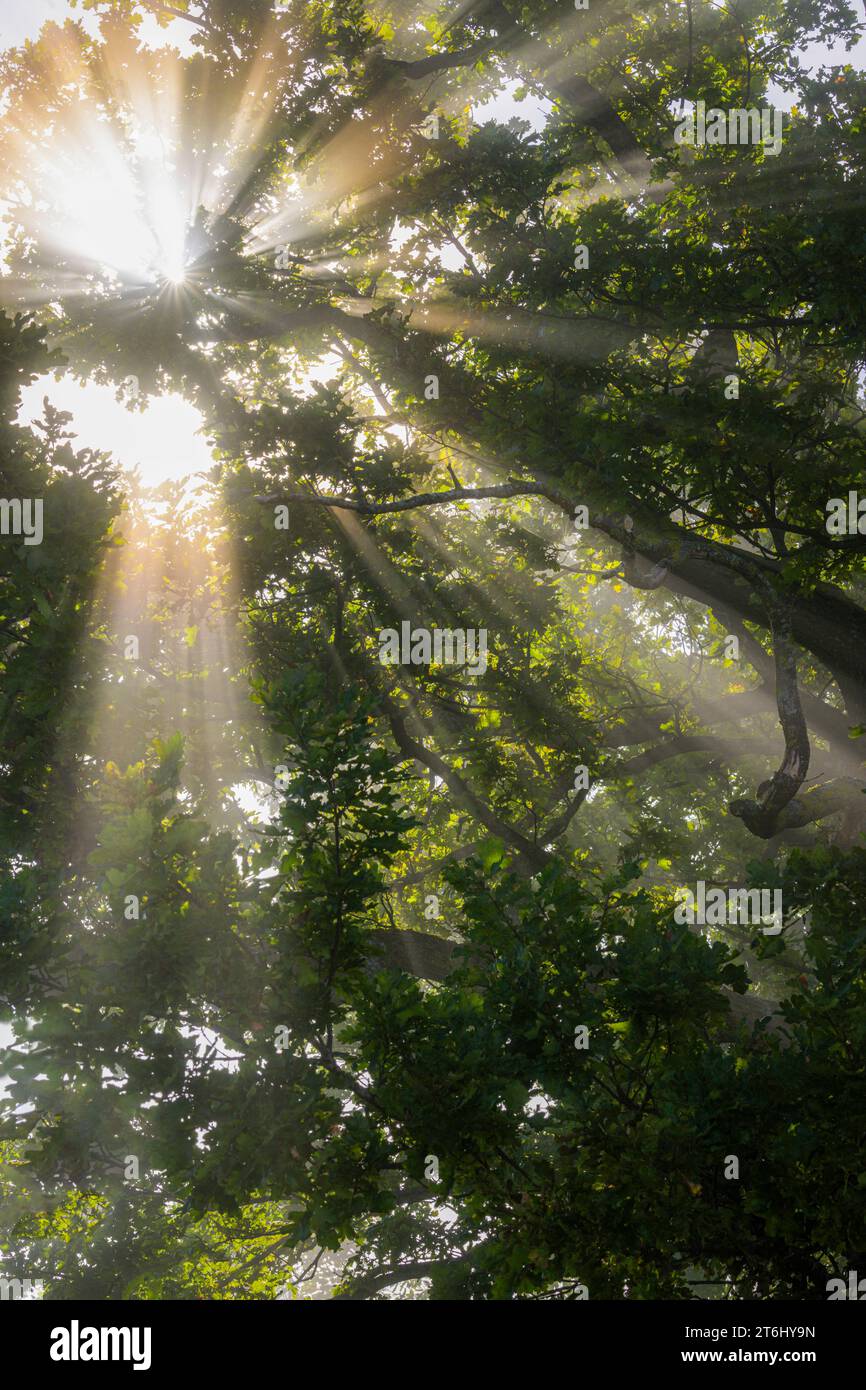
column 638, row 571
column 757, row 818
column 764, row 819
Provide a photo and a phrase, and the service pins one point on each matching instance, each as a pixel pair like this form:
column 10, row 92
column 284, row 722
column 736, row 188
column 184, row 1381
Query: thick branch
column 362, row 1285
column 841, row 795
column 672, row 748
column 408, row 504
column 439, row 62
column 762, row 816
column 785, row 783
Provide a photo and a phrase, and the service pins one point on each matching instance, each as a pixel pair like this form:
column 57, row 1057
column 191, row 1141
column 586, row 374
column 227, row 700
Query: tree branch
column 530, row 853
column 156, row 7
column 408, row 504
column 362, row 1285
column 439, row 62
column 761, row 816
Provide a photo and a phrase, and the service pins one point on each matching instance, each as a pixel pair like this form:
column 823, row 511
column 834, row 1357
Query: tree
column 432, row 1005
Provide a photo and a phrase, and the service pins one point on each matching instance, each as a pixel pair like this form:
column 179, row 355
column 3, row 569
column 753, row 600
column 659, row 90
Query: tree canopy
column 349, row 977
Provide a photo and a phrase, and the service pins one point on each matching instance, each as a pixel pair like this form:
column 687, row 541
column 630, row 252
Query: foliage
column 326, row 976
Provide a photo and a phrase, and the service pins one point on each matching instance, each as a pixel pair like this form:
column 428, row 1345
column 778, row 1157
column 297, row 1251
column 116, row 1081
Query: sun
column 106, row 192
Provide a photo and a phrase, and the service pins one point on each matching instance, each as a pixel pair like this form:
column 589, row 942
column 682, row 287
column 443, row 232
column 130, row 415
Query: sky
column 22, row 19
column 163, row 440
